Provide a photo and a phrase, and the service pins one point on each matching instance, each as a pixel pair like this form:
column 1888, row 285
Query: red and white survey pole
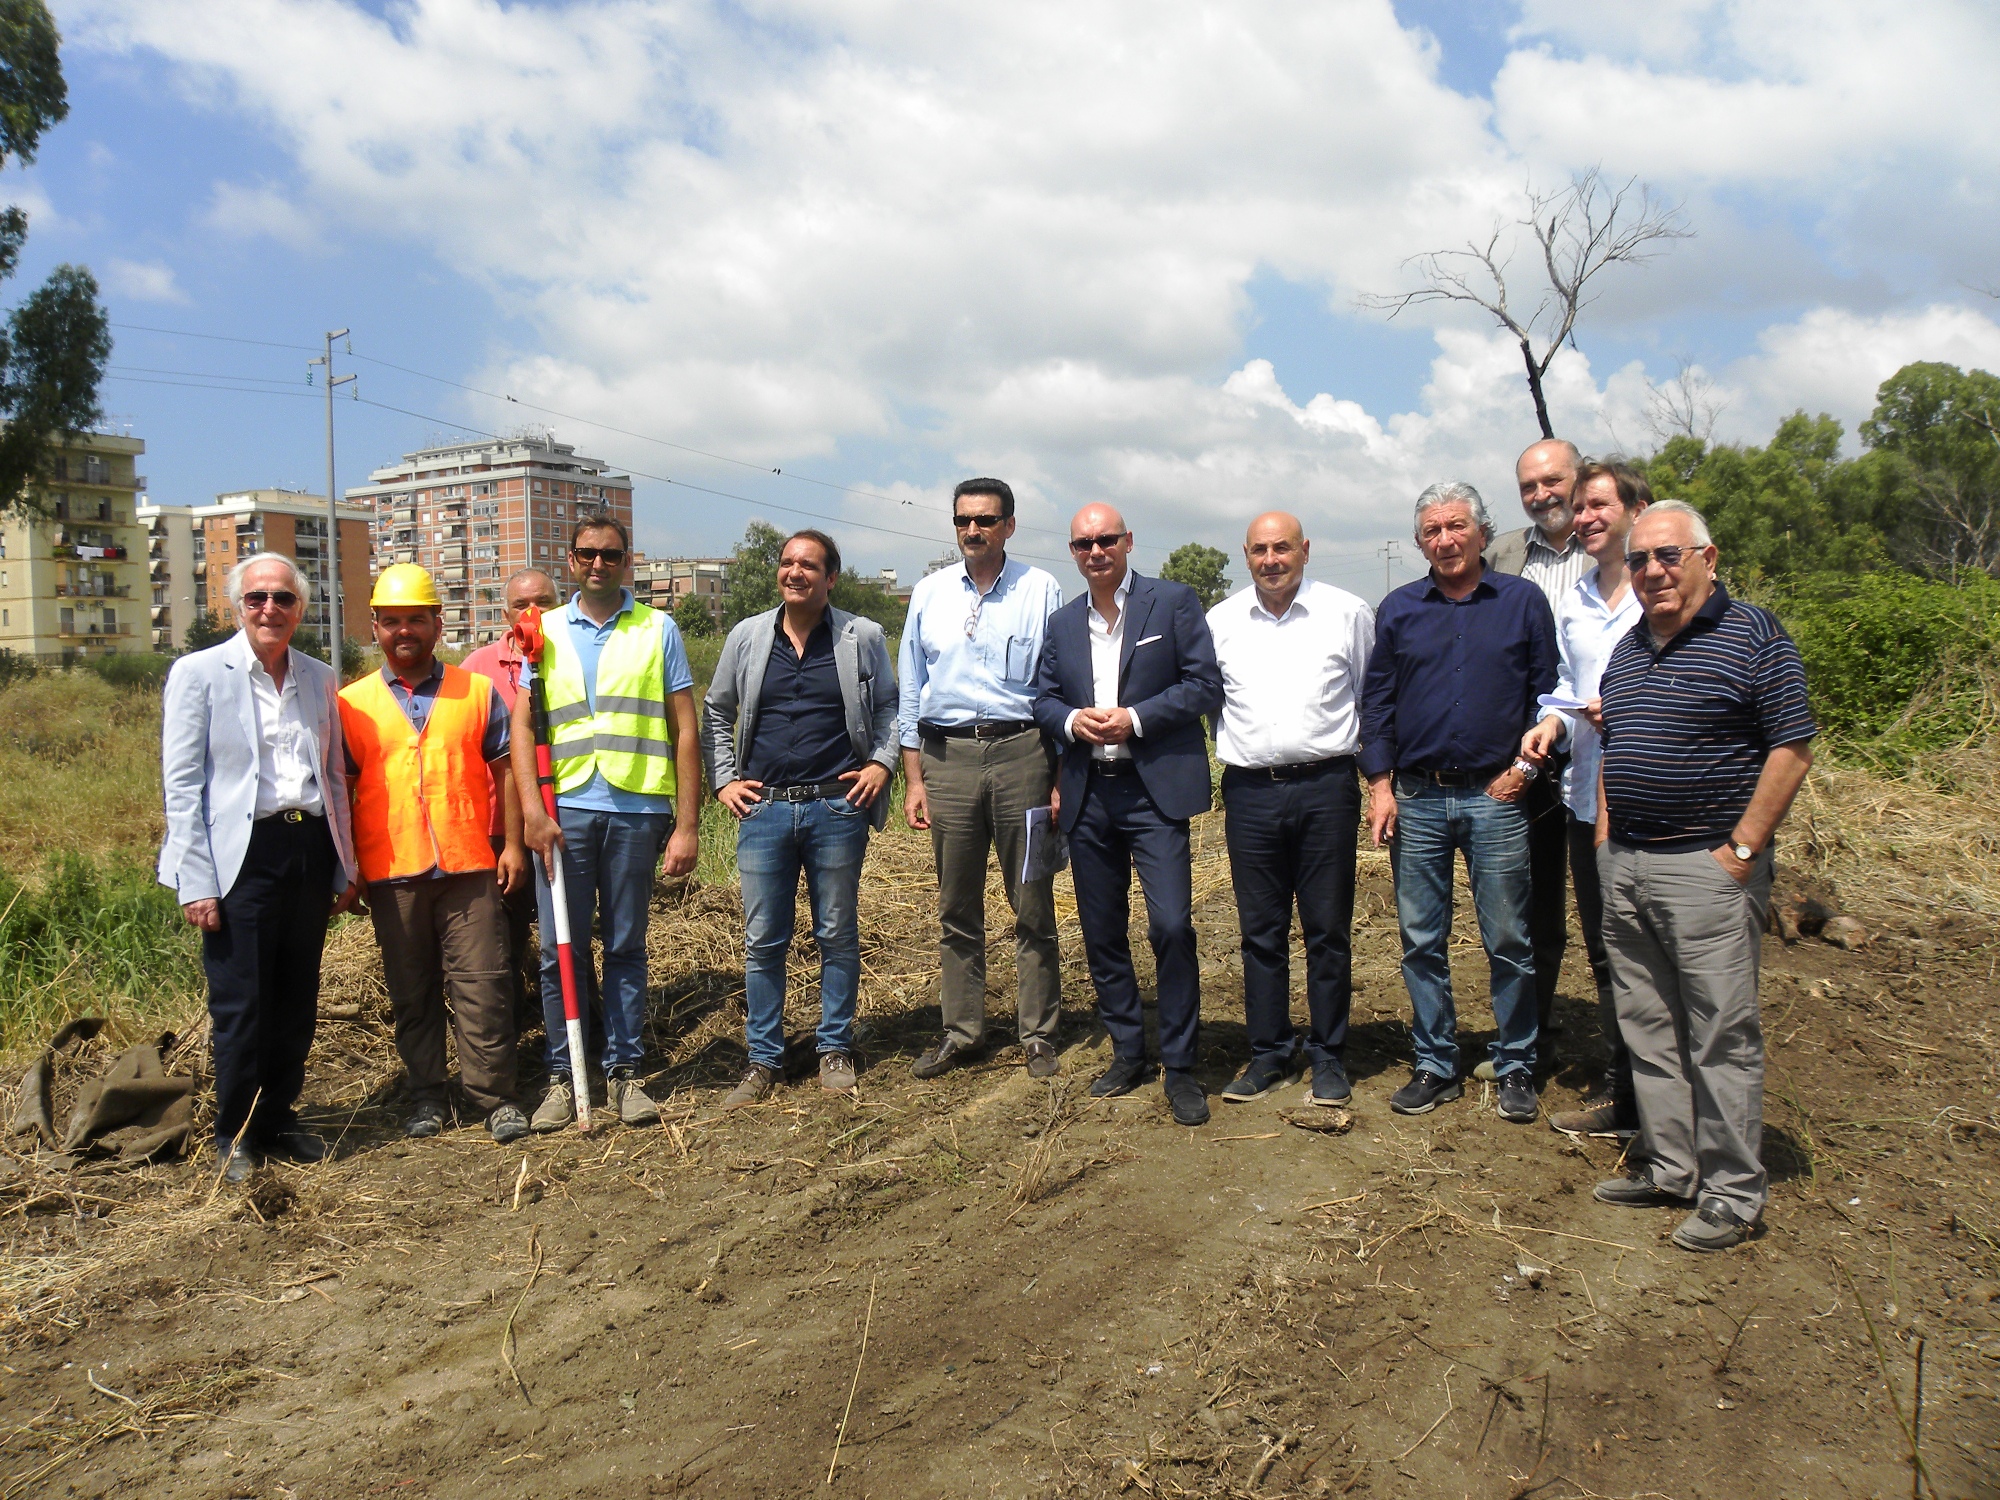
column 529, row 640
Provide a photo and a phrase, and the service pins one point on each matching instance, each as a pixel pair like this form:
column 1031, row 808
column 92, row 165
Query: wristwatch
column 1743, row 852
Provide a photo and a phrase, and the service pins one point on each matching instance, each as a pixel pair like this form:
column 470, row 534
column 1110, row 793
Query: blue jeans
column 1432, row 823
column 608, row 864
column 827, row 839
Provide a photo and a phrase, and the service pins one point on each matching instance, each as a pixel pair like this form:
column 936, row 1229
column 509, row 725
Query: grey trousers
column 1685, row 940
column 980, row 792
column 448, row 938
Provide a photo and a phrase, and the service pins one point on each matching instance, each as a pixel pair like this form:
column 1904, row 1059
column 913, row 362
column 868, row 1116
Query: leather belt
column 809, row 791
column 1296, row 771
column 1120, row 767
column 290, row 815
column 1452, row 778
column 989, row 730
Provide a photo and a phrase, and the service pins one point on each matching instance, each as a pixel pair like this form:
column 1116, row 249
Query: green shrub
column 131, row 669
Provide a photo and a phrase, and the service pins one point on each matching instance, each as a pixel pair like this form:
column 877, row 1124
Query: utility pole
column 333, row 623
column 1392, row 551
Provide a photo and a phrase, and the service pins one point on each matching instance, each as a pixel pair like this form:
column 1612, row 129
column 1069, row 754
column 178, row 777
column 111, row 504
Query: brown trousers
column 439, row 937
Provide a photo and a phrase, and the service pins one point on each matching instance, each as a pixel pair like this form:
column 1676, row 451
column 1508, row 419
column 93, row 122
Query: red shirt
column 499, row 663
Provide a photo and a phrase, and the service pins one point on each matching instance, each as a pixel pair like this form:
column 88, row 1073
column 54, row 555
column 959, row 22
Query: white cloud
column 143, row 281
column 234, row 209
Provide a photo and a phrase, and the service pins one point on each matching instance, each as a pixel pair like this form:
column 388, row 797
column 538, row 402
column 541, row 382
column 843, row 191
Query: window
column 6, row 617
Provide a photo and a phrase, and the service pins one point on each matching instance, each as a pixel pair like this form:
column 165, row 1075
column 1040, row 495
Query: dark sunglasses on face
column 984, row 523
column 258, row 598
column 610, row 555
column 1082, row 545
column 1670, row 557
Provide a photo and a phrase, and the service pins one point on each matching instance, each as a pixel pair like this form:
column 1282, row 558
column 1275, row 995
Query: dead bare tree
column 1685, row 406
column 1580, row 230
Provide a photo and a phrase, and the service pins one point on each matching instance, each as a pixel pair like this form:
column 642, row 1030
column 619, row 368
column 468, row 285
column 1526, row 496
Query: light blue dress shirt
column 588, row 637
column 968, row 660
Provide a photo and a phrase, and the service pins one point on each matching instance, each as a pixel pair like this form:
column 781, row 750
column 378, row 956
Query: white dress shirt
column 1107, row 645
column 285, row 776
column 1587, row 629
column 1291, row 683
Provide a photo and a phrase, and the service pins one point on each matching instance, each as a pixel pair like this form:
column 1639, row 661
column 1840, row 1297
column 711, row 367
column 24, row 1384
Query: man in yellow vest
column 420, row 736
column 626, row 755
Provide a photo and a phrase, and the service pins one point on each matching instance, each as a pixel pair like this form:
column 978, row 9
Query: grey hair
column 1681, row 508
column 1454, row 492
column 233, row 584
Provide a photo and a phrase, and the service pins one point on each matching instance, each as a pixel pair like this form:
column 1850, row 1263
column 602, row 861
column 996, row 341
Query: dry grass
column 1897, row 846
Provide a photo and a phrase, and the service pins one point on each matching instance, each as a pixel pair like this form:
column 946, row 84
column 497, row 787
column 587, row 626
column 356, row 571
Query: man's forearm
column 1783, row 774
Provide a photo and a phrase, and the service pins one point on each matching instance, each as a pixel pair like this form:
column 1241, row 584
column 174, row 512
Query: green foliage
column 751, row 579
column 692, row 616
column 352, row 656
column 32, row 93
column 206, row 630
column 1936, row 429
column 860, row 596
column 1203, row 569
column 123, row 669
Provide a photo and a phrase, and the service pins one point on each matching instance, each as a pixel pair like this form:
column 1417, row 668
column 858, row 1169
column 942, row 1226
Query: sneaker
column 1518, row 1102
column 425, row 1121
column 949, row 1053
column 1637, row 1191
column 634, row 1105
column 836, row 1072
column 1042, row 1059
column 1330, row 1085
column 754, row 1087
column 1605, row 1119
column 1186, row 1098
column 1712, row 1227
column 557, row 1111
column 1425, row 1092
column 1263, row 1075
column 506, row 1124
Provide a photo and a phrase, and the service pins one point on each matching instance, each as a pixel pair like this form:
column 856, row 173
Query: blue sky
column 819, row 239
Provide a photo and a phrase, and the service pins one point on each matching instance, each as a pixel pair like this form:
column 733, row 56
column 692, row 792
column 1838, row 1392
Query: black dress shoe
column 1124, row 1075
column 301, row 1146
column 240, row 1163
column 1186, row 1098
column 947, row 1054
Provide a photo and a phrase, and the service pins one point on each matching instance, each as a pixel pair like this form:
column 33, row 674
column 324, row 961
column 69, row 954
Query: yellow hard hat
column 403, row 585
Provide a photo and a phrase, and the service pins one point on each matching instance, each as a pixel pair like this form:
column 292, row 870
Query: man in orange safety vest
column 421, row 736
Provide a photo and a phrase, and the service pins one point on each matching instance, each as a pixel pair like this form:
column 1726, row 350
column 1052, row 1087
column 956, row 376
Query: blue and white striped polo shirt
column 1687, row 727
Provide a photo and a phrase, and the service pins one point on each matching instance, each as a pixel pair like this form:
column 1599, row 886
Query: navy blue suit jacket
column 1166, row 674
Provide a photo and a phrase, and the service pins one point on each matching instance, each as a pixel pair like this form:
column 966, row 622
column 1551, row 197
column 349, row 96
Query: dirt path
column 1068, row 1297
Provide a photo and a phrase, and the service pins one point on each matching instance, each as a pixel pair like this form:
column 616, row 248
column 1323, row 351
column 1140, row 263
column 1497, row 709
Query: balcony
column 88, row 591
column 88, row 631
column 106, row 551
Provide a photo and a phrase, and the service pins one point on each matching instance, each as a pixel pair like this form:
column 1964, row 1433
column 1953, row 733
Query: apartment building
column 72, row 579
column 664, row 581
column 178, row 583
column 245, row 522
column 474, row 513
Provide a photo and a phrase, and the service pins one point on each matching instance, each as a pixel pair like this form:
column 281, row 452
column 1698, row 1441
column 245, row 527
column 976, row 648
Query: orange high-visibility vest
column 422, row 802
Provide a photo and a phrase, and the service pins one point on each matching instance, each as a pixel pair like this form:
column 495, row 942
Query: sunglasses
column 609, row 555
column 258, row 598
column 984, row 523
column 1669, row 557
column 1082, row 546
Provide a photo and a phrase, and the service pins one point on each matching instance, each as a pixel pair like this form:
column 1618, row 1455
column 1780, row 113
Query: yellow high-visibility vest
column 630, row 736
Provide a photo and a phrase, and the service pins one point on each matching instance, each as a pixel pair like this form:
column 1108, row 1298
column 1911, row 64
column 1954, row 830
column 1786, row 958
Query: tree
column 750, row 582
column 55, row 344
column 1942, row 425
column 1580, row 231
column 1203, row 569
column 206, row 630
column 692, row 615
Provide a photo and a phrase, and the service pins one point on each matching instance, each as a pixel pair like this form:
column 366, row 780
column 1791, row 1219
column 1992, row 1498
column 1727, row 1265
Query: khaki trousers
column 1685, row 940
column 980, row 792
column 448, row 937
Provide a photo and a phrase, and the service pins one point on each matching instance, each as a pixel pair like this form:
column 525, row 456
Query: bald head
column 1276, row 549
column 1100, row 542
column 1546, row 472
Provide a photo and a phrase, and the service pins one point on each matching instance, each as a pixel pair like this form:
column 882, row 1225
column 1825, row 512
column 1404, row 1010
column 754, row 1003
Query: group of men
column 1576, row 703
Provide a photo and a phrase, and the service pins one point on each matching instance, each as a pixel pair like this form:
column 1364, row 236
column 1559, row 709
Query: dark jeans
column 1117, row 830
column 1548, row 901
column 1293, row 842
column 263, row 975
column 1590, row 913
column 608, row 864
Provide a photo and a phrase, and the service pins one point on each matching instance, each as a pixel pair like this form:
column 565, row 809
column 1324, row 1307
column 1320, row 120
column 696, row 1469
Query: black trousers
column 1548, row 901
column 1119, row 830
column 1293, row 842
column 524, row 972
column 1590, row 914
column 263, row 975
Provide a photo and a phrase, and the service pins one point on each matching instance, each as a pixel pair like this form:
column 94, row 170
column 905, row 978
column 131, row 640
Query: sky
column 816, row 262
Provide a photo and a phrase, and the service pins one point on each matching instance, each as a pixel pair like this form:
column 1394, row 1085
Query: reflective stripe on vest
column 629, row 738
column 421, row 802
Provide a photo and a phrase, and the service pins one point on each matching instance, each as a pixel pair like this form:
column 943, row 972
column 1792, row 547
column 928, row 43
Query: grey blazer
column 208, row 766
column 867, row 687
column 1508, row 552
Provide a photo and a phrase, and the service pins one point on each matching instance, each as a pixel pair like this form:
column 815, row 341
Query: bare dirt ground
column 1060, row 1296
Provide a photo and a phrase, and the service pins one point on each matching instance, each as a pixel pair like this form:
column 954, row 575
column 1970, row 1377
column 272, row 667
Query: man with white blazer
column 258, row 850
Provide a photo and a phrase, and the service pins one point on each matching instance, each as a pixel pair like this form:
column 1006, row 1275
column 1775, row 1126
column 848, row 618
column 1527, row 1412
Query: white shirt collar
column 1257, row 610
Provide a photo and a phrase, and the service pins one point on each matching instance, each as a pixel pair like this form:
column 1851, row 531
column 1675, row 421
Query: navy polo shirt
column 801, row 733
column 1688, row 726
column 1452, row 683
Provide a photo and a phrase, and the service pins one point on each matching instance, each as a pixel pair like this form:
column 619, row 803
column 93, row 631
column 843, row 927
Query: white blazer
column 208, row 766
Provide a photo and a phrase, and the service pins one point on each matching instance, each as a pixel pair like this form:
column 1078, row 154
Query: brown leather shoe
column 753, row 1088
column 947, row 1054
column 1042, row 1059
column 836, row 1072
column 1604, row 1119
